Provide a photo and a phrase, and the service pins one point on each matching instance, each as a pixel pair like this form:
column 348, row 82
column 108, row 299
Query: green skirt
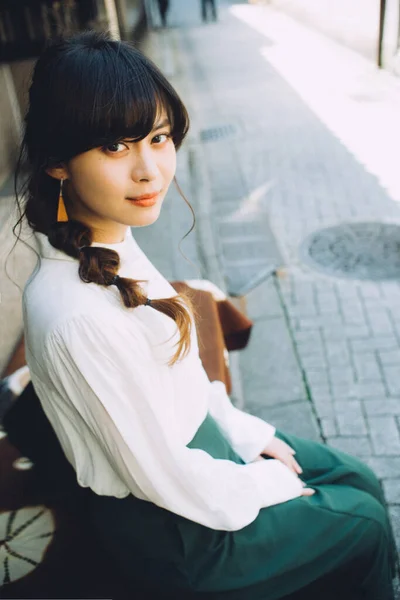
column 338, row 541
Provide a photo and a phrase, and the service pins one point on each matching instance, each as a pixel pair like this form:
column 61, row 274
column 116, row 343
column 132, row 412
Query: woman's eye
column 115, row 148
column 161, row 138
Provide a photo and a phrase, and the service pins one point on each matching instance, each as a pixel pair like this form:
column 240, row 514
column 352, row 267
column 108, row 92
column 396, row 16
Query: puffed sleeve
column 248, row 434
column 107, row 370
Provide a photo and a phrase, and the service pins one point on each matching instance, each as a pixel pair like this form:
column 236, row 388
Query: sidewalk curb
column 165, row 48
column 201, row 194
column 208, row 250
column 207, row 245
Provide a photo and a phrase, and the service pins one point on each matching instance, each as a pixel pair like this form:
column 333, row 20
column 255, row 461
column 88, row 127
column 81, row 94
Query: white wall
column 391, row 56
column 352, row 22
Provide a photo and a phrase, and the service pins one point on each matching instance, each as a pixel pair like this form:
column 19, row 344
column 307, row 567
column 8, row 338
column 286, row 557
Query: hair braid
column 100, row 265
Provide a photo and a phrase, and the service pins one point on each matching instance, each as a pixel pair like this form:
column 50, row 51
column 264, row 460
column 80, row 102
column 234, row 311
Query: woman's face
column 121, row 185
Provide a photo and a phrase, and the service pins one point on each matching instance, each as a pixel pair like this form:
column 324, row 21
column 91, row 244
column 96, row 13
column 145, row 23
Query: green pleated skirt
column 335, row 544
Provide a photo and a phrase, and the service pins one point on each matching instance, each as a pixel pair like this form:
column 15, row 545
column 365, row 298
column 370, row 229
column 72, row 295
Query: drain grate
column 214, row 134
column 355, row 250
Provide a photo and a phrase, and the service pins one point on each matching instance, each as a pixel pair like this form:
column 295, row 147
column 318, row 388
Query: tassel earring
column 62, row 216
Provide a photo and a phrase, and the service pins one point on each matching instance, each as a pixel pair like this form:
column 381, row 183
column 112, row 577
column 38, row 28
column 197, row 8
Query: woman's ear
column 59, row 172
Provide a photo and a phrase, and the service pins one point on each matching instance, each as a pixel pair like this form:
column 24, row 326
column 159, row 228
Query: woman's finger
column 289, row 448
column 291, row 463
column 307, row 492
column 297, row 466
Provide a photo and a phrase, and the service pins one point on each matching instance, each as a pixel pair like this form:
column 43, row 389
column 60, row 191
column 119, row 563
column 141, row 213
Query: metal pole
column 382, row 14
column 149, row 13
column 112, row 18
column 121, row 8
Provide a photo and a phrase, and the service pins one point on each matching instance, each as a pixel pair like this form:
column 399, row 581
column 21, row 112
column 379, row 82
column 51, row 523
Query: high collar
column 127, row 249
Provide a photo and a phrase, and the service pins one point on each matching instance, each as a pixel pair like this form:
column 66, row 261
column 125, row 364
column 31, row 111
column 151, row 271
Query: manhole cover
column 355, row 250
column 216, row 133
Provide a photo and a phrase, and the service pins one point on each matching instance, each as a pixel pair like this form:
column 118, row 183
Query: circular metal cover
column 355, row 250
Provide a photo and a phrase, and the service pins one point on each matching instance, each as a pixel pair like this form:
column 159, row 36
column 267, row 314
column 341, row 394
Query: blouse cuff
column 278, row 484
column 248, row 434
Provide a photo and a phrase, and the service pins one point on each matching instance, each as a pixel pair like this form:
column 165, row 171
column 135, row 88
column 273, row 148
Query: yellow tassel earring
column 62, row 216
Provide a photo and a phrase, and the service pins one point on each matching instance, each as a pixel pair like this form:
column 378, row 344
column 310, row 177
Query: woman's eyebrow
column 164, row 123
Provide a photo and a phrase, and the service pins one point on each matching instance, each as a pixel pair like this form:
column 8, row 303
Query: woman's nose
column 144, row 166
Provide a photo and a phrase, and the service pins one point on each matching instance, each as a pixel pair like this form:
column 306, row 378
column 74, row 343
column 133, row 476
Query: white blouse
column 122, row 415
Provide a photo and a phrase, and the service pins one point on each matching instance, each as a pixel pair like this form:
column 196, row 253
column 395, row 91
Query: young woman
column 191, row 497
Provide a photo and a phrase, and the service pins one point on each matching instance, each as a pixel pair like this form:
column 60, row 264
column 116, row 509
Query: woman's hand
column 279, row 450
column 283, row 452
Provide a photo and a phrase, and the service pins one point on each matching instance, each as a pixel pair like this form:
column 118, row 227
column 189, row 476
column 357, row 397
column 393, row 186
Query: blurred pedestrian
column 211, row 4
column 163, row 7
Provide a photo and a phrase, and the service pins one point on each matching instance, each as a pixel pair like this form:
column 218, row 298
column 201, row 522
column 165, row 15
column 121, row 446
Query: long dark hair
column 89, row 91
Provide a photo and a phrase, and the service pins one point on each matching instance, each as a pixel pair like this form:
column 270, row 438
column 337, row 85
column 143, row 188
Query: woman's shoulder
column 55, row 295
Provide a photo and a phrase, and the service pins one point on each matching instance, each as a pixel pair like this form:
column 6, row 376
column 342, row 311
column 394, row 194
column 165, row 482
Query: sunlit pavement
column 298, row 134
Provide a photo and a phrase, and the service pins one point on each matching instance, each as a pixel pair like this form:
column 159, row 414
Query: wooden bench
column 50, row 553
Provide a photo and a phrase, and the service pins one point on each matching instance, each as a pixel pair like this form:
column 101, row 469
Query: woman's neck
column 109, row 237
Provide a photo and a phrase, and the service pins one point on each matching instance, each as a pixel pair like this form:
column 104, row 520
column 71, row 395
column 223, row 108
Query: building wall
column 21, row 73
column 352, row 22
column 10, row 123
column 16, row 264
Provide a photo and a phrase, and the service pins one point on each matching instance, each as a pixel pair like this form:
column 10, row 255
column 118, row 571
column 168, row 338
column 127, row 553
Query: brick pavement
column 324, row 358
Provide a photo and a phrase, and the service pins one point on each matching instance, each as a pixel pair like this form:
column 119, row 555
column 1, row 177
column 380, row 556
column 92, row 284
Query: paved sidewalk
column 297, row 133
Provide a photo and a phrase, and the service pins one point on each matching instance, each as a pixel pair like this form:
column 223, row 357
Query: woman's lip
column 145, row 197
column 145, row 200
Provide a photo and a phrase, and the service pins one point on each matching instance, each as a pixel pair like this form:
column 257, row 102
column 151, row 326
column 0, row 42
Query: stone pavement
column 294, row 133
